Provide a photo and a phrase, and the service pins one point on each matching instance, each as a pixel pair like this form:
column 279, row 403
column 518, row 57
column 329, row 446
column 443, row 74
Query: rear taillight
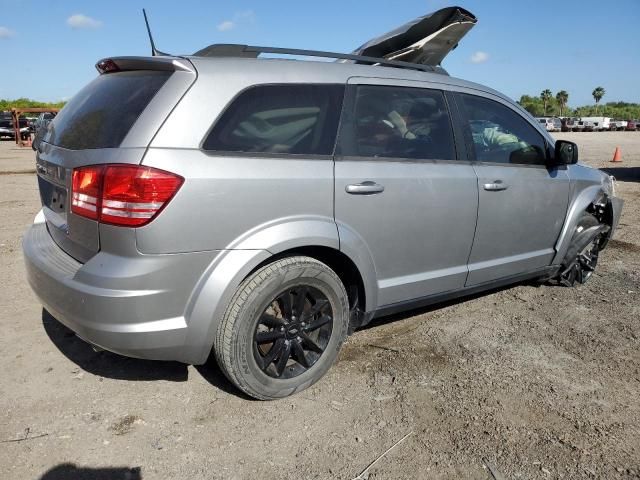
column 126, row 195
column 85, row 191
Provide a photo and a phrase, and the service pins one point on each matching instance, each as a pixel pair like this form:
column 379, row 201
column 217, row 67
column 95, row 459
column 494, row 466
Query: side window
column 399, row 122
column 501, row 135
column 285, row 119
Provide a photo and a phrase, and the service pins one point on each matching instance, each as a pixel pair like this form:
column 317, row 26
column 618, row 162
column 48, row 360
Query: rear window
column 280, row 119
column 103, row 112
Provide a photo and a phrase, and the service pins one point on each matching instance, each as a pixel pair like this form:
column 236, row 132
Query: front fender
column 613, row 211
column 586, row 197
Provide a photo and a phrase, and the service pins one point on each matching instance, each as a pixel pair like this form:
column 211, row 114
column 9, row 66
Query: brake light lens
column 107, row 66
column 124, row 195
column 85, row 191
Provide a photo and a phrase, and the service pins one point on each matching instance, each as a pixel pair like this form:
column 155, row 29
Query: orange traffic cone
column 617, row 156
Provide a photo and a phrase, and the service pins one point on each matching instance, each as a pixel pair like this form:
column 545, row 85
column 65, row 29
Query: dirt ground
column 525, row 382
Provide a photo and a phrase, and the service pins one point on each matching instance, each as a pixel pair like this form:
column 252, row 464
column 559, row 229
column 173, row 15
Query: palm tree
column 562, row 97
column 546, row 96
column 598, row 93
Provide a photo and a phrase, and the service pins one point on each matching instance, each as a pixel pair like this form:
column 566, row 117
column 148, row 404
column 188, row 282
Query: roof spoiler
column 121, row 64
column 426, row 40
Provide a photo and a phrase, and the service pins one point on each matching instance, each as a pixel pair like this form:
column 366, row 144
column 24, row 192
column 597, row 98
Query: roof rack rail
column 251, row 51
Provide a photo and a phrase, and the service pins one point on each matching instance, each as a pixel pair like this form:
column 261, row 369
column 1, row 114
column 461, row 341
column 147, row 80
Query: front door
column 400, row 188
column 522, row 203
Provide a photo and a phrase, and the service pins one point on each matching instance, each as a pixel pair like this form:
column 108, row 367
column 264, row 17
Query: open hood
column 425, row 40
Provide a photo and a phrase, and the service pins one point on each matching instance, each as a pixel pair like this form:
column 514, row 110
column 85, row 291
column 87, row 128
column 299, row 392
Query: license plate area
column 53, row 196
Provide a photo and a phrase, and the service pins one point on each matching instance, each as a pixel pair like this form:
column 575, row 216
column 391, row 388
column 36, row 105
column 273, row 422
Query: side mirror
column 566, row 153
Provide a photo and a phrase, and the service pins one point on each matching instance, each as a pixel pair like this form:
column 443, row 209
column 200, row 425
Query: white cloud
column 5, row 32
column 226, row 26
column 82, row 21
column 245, row 16
column 479, row 57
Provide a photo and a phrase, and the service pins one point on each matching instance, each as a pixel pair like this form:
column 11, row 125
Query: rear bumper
column 134, row 305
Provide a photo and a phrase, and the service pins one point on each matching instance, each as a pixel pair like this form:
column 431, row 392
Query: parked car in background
column 550, row 124
column 259, row 210
column 632, row 125
column 7, row 130
column 575, row 124
column 41, row 127
column 31, row 122
column 618, row 125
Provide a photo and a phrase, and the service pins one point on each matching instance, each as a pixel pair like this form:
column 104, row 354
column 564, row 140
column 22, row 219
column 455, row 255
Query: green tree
column 562, row 97
column 546, row 97
column 27, row 103
column 598, row 93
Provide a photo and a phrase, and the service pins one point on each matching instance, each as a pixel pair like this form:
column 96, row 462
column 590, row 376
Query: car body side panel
column 517, row 227
column 419, row 244
column 226, row 200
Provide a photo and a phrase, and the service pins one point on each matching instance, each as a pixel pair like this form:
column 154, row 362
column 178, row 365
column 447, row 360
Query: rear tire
column 283, row 328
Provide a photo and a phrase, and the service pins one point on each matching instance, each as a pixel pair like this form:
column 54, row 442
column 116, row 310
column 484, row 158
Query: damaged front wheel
column 582, row 256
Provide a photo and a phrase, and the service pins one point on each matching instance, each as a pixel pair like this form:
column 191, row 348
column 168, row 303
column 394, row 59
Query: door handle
column 495, row 186
column 364, row 188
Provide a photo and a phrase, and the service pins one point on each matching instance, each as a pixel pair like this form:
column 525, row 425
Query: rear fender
column 221, row 280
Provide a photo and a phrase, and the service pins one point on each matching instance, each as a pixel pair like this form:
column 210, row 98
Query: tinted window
column 399, row 122
column 103, row 112
column 501, row 135
column 285, row 119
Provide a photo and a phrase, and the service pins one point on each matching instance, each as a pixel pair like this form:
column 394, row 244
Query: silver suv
column 263, row 209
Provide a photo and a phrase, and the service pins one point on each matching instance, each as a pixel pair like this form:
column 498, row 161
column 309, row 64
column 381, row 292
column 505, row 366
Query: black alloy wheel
column 293, row 331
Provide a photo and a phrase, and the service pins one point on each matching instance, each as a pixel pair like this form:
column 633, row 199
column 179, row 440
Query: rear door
column 111, row 120
column 522, row 203
column 400, row 188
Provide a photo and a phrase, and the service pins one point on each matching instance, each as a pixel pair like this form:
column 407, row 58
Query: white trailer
column 597, row 124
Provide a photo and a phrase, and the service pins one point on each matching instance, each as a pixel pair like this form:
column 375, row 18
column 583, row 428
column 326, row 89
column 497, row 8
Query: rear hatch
column 111, row 120
column 426, row 40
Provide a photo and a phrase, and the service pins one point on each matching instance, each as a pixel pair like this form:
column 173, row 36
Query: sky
column 49, row 47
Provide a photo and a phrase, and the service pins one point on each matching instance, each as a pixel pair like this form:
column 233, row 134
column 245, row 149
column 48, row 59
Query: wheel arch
column 316, row 238
column 339, row 262
column 587, row 197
